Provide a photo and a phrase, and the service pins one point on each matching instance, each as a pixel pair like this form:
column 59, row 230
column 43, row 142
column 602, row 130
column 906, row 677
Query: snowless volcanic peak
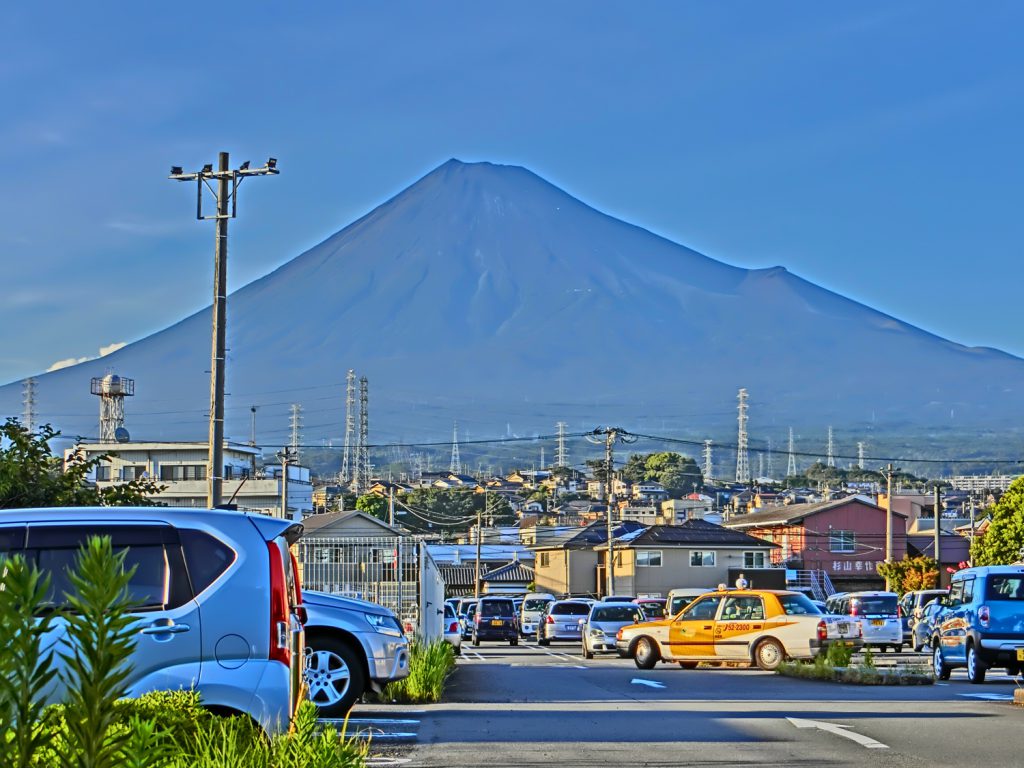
column 484, row 294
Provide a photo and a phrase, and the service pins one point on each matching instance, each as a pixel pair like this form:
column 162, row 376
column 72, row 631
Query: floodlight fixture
column 272, row 163
column 176, row 170
column 208, row 168
column 244, row 166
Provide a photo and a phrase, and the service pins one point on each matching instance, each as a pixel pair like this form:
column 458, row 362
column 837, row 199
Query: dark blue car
column 495, row 619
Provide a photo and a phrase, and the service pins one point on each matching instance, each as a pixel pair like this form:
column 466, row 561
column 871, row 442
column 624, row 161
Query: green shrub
column 839, row 655
column 429, row 667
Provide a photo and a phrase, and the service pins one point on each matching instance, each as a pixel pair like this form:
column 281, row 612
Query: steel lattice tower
column 771, row 467
column 830, row 459
column 708, row 465
column 112, row 390
column 456, row 463
column 28, row 401
column 295, row 424
column 742, row 459
column 791, row 461
column 362, row 472
column 561, row 455
column 860, row 453
column 346, row 476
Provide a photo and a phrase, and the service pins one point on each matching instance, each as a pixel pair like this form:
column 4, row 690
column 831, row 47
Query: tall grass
column 429, row 667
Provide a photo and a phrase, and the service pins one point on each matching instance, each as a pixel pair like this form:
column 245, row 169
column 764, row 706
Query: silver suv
column 217, row 591
column 352, row 646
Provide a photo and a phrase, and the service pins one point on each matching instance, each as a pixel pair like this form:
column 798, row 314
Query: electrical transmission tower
column 295, row 424
column 542, row 461
column 362, row 470
column 860, row 453
column 28, row 401
column 561, row 456
column 742, row 459
column 346, row 476
column 760, row 465
column 770, row 467
column 791, row 460
column 708, row 465
column 830, row 459
column 455, row 465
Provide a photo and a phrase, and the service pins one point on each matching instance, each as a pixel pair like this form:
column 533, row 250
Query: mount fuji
column 485, row 295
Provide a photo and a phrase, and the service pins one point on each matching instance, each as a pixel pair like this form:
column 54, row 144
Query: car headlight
column 386, row 625
column 594, row 632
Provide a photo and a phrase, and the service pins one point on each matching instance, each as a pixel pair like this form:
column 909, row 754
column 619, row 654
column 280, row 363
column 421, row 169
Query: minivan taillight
column 279, row 618
column 983, row 616
column 453, row 627
column 822, row 630
column 551, row 619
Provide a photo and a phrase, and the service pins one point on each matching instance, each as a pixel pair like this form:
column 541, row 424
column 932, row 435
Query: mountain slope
column 484, row 294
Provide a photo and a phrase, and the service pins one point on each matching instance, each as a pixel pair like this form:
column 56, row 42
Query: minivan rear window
column 1004, row 587
column 535, row 604
column 496, row 608
column 881, row 605
column 570, row 609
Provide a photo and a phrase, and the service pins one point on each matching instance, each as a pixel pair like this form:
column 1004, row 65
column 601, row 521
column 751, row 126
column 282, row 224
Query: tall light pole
column 226, row 196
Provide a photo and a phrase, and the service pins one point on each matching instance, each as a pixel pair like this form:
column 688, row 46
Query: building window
column 542, row 560
column 753, row 560
column 700, row 559
column 102, row 473
column 183, row 472
column 129, row 473
column 648, row 558
column 841, row 541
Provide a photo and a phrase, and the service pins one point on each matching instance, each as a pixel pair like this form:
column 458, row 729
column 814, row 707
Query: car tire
column 898, row 648
column 514, row 641
column 334, row 675
column 1013, row 670
column 975, row 666
column 476, row 640
column 543, row 641
column 688, row 664
column 623, row 654
column 587, row 654
column 769, row 654
column 457, row 649
column 941, row 669
column 645, row 653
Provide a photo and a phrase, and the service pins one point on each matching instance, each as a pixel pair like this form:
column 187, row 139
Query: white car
column 760, row 626
column 452, row 629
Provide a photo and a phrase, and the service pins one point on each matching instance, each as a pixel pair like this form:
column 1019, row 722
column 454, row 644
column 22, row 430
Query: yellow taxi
column 759, row 626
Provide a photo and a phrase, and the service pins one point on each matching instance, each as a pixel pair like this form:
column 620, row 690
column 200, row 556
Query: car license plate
column 496, row 622
column 1020, row 654
column 570, row 627
column 878, row 622
column 843, row 628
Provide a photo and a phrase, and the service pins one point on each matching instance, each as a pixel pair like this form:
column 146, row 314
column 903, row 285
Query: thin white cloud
column 69, row 361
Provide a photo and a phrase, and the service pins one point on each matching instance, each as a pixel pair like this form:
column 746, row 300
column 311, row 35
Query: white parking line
column 988, row 696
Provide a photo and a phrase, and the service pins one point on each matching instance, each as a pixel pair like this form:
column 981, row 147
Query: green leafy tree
column 679, row 474
column 375, row 505
column 1003, row 541
column 911, row 573
column 31, row 476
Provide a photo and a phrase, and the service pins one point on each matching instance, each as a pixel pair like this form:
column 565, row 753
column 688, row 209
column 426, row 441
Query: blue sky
column 873, row 148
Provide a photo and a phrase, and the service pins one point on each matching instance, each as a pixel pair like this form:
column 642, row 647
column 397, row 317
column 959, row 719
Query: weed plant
column 429, row 667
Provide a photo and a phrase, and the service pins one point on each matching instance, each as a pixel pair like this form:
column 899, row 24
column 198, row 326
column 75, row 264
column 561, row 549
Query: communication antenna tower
column 295, row 425
column 456, row 463
column 791, row 460
column 561, row 456
column 346, row 476
column 542, row 461
column 760, row 464
column 742, row 459
column 708, row 465
column 112, row 390
column 770, row 467
column 362, row 472
column 830, row 459
column 28, row 399
column 860, row 453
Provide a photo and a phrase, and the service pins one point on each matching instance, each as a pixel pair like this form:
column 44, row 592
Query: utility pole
column 889, row 471
column 479, row 531
column 708, row 465
column 611, row 435
column 285, row 456
column 391, row 507
column 938, row 516
column 252, row 439
column 227, row 202
column 28, row 399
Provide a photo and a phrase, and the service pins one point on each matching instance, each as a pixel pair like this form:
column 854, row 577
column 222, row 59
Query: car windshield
column 653, row 610
column 496, row 608
column 448, row 612
column 1005, row 587
column 616, row 613
column 570, row 609
column 880, row 605
column 678, row 603
column 798, row 605
column 537, row 604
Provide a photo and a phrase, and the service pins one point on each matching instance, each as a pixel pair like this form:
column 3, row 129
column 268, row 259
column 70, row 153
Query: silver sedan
column 603, row 624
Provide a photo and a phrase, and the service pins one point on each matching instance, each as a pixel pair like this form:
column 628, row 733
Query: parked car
column 982, row 624
column 680, row 598
column 617, row 599
column 764, row 627
column 495, row 619
column 218, row 594
column 653, row 607
column 911, row 605
column 532, row 610
column 352, row 646
column 603, row 623
column 876, row 612
column 468, row 618
column 562, row 620
column 924, row 626
column 452, row 629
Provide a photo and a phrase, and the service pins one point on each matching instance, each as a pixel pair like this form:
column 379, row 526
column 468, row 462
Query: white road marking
column 388, row 760
column 381, row 721
column 988, row 696
column 838, row 730
column 650, row 683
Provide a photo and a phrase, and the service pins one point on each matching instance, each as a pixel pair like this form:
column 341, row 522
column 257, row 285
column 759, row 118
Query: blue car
column 982, row 624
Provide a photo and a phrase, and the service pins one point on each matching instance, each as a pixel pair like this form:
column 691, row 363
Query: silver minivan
column 218, row 598
column 877, row 613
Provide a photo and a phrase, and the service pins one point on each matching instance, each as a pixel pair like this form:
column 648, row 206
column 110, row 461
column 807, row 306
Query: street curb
column 856, row 675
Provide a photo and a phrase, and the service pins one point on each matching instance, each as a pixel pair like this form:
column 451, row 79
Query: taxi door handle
column 707, row 626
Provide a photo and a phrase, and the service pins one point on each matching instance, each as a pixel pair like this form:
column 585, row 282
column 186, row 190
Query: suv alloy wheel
column 975, row 666
column 939, row 665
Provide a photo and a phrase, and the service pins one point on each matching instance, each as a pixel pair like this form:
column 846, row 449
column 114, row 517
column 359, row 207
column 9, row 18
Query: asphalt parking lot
column 532, row 705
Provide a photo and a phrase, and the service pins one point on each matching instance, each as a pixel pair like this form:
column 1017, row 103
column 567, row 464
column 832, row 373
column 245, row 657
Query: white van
column 680, row 598
column 533, row 608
